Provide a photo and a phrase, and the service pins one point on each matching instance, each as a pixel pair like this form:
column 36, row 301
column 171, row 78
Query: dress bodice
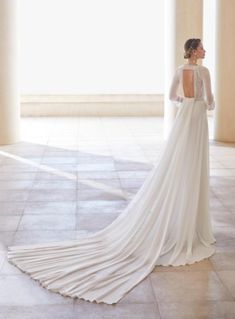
column 201, row 82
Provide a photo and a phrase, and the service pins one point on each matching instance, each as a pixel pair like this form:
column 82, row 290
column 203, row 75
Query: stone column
column 224, row 126
column 9, row 75
column 183, row 20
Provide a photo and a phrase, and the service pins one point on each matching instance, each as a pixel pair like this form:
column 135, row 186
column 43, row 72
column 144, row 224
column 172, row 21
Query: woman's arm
column 207, row 88
column 173, row 96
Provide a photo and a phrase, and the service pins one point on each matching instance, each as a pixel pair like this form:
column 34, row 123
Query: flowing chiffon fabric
column 166, row 223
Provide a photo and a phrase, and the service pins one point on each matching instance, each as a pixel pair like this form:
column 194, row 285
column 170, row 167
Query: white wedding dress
column 166, row 223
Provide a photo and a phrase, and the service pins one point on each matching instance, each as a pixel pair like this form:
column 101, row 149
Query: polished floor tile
column 100, row 194
column 101, row 206
column 95, row 221
column 26, row 292
column 92, row 183
column 9, row 224
column 38, row 312
column 188, row 286
column 124, row 311
column 23, row 237
column 225, row 239
column 54, row 184
column 223, row 261
column 46, row 207
column 16, row 185
column 6, row 239
column 228, row 279
column 12, row 208
column 53, row 195
column 197, row 310
column 14, row 195
column 47, row 222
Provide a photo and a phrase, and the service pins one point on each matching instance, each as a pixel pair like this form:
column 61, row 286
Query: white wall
column 92, row 46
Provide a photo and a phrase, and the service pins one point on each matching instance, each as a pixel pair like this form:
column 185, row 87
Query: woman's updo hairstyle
column 189, row 46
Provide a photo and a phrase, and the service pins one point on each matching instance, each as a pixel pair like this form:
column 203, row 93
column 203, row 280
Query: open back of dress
column 166, row 223
column 188, row 83
column 192, row 81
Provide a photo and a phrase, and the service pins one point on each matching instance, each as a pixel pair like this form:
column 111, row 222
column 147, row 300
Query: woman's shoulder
column 180, row 67
column 204, row 68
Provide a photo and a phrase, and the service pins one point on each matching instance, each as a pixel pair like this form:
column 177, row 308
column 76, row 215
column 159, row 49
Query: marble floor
column 70, row 176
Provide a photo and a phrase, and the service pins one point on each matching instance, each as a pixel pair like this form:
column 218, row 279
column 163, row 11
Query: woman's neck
column 192, row 61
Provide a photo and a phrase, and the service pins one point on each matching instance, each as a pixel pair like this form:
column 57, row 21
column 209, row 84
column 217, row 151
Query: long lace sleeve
column 209, row 98
column 173, row 96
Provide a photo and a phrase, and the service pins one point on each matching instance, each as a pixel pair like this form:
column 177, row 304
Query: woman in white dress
column 166, row 223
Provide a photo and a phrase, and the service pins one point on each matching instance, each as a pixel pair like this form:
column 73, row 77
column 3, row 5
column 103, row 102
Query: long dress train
column 166, row 223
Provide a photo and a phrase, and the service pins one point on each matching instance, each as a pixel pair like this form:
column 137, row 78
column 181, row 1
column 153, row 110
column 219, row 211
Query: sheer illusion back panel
column 188, row 83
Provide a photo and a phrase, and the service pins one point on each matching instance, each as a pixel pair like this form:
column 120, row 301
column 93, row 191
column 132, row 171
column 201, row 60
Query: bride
column 166, row 223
